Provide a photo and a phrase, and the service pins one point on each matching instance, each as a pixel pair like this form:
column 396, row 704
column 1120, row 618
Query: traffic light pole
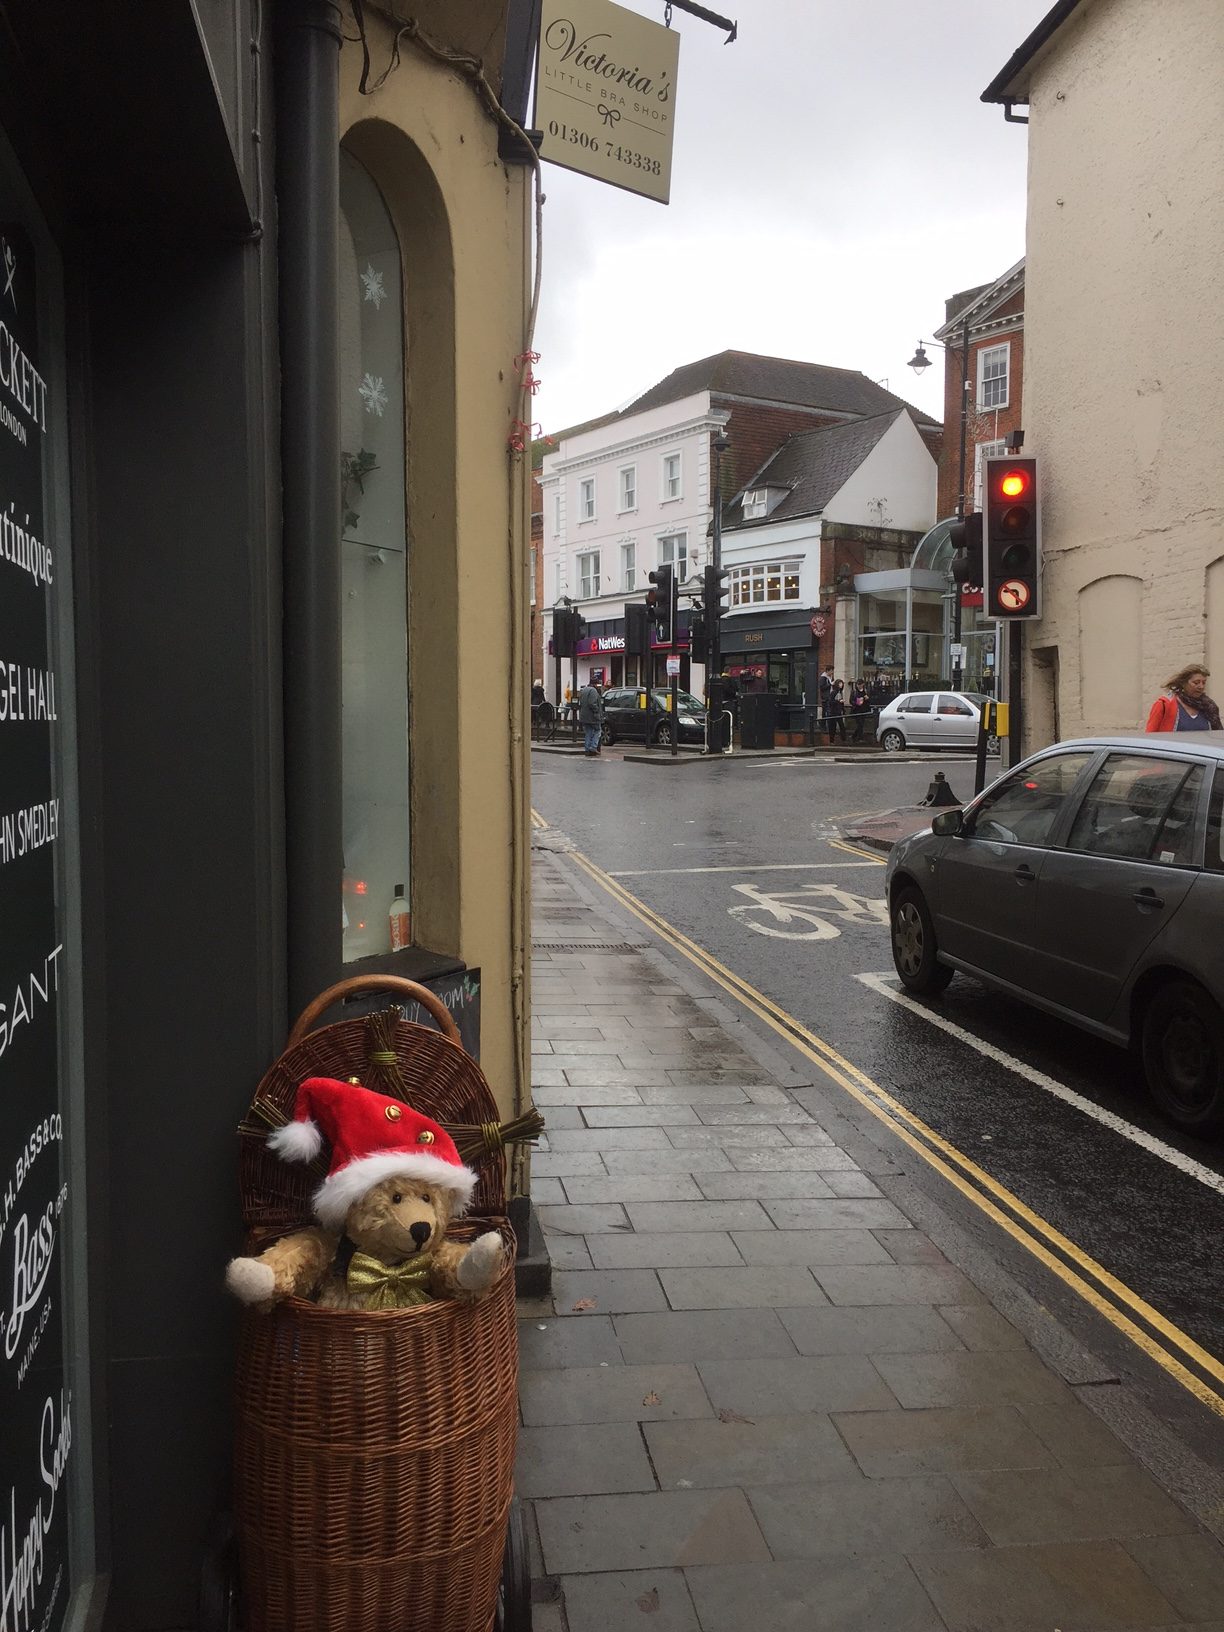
column 1015, row 672
column 958, row 678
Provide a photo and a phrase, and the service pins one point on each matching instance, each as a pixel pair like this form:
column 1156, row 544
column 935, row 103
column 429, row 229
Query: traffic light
column 661, row 603
column 637, row 630
column 569, row 627
column 966, row 540
column 1012, row 539
column 698, row 635
column 713, row 592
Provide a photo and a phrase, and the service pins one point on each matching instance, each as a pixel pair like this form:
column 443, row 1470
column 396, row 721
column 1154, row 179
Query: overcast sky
column 835, row 179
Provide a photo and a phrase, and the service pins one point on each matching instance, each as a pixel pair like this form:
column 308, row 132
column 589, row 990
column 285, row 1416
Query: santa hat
column 371, row 1138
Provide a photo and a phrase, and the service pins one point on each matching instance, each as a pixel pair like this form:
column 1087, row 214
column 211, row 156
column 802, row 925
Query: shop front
column 777, row 652
column 602, row 660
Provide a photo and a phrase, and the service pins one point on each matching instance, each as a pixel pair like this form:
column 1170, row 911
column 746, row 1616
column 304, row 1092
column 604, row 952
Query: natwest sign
column 594, row 644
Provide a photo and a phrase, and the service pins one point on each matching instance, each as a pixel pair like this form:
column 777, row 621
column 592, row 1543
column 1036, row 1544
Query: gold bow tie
column 389, row 1286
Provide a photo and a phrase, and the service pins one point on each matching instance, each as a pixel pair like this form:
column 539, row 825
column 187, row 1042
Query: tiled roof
column 814, row 465
column 776, row 379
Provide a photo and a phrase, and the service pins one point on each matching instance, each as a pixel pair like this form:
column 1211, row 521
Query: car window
column 1215, row 824
column 687, row 700
column 1021, row 808
column 920, row 703
column 614, row 699
column 1140, row 808
column 953, row 705
column 899, row 704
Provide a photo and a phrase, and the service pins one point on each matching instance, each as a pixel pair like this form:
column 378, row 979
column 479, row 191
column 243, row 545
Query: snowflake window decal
column 374, row 394
column 375, row 288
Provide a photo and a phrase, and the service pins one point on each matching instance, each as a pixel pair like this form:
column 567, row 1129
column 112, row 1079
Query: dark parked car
column 626, row 716
column 1088, row 881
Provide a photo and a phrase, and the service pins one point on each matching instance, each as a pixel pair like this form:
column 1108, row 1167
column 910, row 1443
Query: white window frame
column 532, row 569
column 628, row 563
column 755, row 503
column 984, row 354
column 749, row 585
column 588, row 575
column 673, row 548
column 558, row 579
column 981, row 452
column 626, row 490
column 666, row 496
column 586, row 499
column 556, row 513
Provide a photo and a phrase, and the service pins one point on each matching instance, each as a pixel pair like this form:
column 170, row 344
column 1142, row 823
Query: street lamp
column 920, row 362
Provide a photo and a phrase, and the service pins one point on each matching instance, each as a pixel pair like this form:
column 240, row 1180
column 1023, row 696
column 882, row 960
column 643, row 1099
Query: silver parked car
column 1088, row 881
column 932, row 719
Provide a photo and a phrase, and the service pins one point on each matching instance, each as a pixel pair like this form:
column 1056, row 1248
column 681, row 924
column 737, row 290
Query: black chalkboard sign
column 35, row 1403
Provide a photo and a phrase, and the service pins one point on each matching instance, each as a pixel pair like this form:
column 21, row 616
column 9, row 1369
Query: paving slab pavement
column 760, row 1398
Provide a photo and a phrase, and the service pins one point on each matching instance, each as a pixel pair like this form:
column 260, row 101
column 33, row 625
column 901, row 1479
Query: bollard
column 939, row 792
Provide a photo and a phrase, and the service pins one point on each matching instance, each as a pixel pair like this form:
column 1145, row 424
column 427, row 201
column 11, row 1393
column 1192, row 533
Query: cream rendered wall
column 1124, row 350
column 463, row 221
column 893, row 487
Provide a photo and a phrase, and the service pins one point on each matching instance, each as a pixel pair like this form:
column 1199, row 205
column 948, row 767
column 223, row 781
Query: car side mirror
column 948, row 824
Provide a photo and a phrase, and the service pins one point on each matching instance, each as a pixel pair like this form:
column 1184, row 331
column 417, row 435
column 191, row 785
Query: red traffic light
column 1013, row 483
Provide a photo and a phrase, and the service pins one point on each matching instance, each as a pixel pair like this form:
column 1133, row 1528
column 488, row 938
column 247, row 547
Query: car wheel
column 892, row 742
column 1183, row 1056
column 607, row 736
column 914, row 945
column 663, row 733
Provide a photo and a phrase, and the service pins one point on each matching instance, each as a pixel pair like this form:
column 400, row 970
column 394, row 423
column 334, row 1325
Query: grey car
column 1089, row 881
column 932, row 719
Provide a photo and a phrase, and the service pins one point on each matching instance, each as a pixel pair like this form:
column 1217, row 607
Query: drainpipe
column 308, row 205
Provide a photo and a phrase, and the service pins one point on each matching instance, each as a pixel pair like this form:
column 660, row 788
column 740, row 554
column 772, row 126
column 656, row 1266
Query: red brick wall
column 984, row 426
column 756, row 432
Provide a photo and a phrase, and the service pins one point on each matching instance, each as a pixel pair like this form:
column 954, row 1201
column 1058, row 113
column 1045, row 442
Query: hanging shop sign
column 606, row 94
column 35, row 1401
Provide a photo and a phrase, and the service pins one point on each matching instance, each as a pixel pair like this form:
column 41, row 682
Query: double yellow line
column 1172, row 1349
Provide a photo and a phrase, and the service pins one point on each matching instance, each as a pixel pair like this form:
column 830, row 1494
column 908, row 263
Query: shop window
column 673, row 552
column 628, row 488
column 586, row 499
column 374, row 571
column 588, row 575
column 992, row 371
column 671, row 476
column 764, row 582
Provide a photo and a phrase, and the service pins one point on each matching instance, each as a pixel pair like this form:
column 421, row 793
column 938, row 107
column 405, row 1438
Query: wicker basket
column 374, row 1451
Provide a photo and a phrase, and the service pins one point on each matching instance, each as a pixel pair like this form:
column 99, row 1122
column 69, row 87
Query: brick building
column 987, row 323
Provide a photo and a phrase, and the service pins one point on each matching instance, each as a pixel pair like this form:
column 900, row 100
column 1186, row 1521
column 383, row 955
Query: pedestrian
column 824, row 693
column 858, row 707
column 590, row 718
column 1187, row 706
column 537, row 693
column 837, row 711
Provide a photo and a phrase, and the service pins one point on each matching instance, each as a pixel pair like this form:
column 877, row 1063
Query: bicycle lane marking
column 1060, row 1255
column 881, row 983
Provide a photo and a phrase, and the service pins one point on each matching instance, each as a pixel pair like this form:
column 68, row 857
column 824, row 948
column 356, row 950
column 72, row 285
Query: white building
column 619, row 500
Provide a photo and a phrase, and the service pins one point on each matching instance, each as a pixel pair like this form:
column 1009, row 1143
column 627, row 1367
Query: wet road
column 741, row 860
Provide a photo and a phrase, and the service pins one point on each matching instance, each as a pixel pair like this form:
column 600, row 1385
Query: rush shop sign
column 606, row 94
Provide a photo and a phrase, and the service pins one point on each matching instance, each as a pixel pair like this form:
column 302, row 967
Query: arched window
column 374, row 571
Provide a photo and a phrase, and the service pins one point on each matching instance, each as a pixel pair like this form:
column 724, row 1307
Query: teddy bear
column 395, row 1183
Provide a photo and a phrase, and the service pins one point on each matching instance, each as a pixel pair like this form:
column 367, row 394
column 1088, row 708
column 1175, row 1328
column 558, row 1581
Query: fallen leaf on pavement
column 727, row 1415
column 651, row 1399
column 583, row 1303
column 648, row 1603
